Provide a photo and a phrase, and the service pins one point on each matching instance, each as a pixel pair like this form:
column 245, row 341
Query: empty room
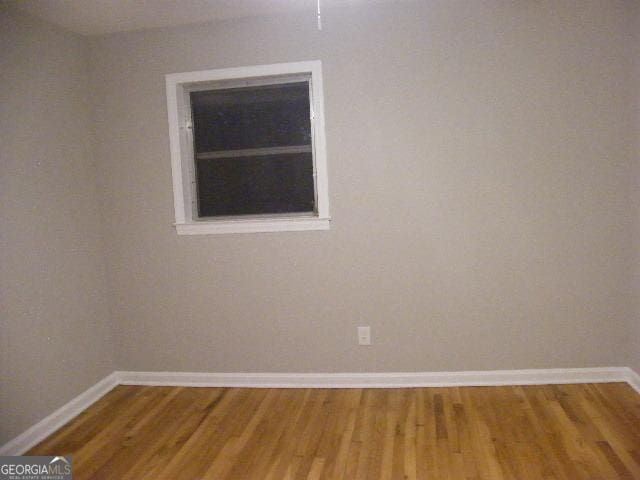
column 319, row 239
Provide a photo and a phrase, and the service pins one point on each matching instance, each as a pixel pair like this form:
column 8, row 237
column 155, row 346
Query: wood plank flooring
column 567, row 432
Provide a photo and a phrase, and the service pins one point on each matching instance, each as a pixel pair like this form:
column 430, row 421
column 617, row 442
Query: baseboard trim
column 63, row 415
column 60, row 417
column 633, row 379
column 377, row 380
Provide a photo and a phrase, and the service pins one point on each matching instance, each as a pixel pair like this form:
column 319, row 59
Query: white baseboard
column 57, row 419
column 633, row 379
column 377, row 380
column 60, row 417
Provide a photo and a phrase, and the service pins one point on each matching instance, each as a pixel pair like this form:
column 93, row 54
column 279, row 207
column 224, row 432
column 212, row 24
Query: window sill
column 214, row 227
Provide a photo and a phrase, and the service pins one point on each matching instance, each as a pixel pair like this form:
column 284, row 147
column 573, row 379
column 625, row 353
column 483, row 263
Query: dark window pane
column 251, row 117
column 280, row 183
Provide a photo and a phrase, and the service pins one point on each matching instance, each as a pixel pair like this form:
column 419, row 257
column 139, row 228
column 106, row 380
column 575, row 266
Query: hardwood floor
column 566, row 432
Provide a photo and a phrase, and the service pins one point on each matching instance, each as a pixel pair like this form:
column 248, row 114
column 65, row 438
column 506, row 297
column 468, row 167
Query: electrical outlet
column 364, row 335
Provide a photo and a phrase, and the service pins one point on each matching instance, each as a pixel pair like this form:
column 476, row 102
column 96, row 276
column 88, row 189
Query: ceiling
column 95, row 17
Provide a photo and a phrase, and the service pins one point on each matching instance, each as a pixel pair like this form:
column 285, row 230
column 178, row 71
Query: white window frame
column 182, row 156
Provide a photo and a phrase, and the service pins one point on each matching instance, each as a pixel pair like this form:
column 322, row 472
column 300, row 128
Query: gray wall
column 634, row 358
column 55, row 340
column 480, row 166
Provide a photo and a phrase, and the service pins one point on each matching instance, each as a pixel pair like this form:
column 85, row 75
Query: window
column 248, row 149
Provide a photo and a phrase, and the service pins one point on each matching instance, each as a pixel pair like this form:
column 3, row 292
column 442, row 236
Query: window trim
column 182, row 155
